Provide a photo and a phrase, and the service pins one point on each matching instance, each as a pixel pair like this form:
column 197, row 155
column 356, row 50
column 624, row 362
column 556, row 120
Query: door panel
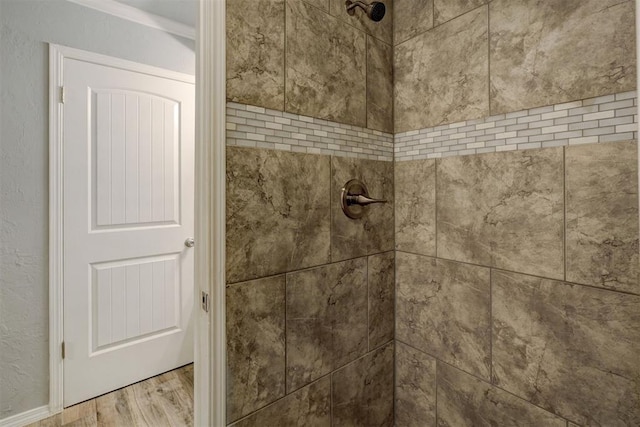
column 128, row 208
column 135, row 182
column 133, row 299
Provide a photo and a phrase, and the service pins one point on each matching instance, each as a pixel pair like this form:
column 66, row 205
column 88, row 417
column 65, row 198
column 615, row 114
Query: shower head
column 374, row 10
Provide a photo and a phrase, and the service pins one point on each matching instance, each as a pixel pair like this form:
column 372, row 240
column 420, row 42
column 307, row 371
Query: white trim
column 57, row 55
column 123, row 64
column 138, row 16
column 210, row 382
column 26, row 417
column 56, row 230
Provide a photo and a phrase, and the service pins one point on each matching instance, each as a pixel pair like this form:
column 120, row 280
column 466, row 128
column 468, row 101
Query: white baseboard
column 26, row 417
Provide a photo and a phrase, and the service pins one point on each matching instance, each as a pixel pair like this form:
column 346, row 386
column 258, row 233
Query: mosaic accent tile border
column 603, row 119
column 250, row 126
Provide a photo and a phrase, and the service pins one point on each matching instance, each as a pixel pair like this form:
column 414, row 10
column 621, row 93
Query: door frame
column 209, row 192
column 210, row 212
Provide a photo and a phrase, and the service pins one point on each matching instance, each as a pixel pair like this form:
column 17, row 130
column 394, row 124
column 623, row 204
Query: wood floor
column 165, row 400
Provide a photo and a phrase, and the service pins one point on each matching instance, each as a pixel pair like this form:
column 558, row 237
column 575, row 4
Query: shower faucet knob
column 362, row 200
column 355, row 198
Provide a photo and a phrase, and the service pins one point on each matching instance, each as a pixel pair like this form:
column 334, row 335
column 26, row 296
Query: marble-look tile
column 379, row 85
column 602, row 215
column 503, row 210
column 320, row 4
column 309, row 406
column 362, row 392
column 382, row 30
column 443, row 309
column 255, row 345
column 373, row 233
column 277, row 212
column 326, row 319
column 464, row 400
column 571, row 349
column 410, row 18
column 537, row 47
column 441, row 76
column 415, row 387
column 446, row 10
column 326, row 63
column 381, row 281
column 415, row 215
column 255, row 52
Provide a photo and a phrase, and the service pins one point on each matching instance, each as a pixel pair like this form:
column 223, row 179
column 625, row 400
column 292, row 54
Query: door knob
column 189, row 242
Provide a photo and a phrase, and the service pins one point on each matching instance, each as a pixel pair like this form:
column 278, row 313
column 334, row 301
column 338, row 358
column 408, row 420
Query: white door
column 128, row 209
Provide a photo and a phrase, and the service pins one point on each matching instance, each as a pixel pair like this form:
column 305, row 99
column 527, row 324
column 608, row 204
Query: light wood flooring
column 165, row 400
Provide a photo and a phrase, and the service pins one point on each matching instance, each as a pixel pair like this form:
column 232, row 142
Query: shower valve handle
column 361, row 200
column 354, row 199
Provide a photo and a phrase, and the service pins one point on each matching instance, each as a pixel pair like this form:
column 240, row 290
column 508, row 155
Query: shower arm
column 374, row 10
column 353, row 4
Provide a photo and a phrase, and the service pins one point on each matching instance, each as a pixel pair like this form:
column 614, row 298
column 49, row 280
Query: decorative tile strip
column 595, row 120
column 249, row 126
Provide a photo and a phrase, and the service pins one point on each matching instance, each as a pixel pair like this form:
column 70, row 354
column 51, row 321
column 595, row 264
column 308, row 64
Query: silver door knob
column 189, row 242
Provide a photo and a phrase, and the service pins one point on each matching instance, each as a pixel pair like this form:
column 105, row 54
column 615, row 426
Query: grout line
column 286, row 327
column 331, row 399
column 366, row 80
column 435, row 389
column 502, row 270
column 395, row 377
column 438, row 360
column 435, row 225
column 255, row 411
column 489, row 59
column 564, row 212
column 433, row 15
column 491, row 325
column 344, row 365
column 368, row 305
column 284, row 61
column 326, row 264
column 433, row 356
column 331, row 191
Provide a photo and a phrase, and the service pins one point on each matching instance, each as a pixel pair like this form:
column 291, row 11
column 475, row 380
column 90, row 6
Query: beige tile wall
column 310, row 293
column 518, row 297
column 516, row 273
column 521, row 286
column 311, row 58
column 470, row 59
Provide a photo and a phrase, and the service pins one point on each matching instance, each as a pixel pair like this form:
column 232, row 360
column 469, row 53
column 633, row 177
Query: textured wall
column 311, row 58
column 468, row 59
column 520, row 280
column 310, row 293
column 26, row 29
column 516, row 271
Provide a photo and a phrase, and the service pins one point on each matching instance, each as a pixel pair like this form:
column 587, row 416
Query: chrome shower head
column 374, row 10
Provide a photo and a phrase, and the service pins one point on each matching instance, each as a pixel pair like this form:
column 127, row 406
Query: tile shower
column 500, row 284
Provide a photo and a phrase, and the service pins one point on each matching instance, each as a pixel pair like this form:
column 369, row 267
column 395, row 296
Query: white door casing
column 128, row 208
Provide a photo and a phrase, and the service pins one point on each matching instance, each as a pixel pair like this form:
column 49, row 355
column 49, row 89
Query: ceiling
column 183, row 11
